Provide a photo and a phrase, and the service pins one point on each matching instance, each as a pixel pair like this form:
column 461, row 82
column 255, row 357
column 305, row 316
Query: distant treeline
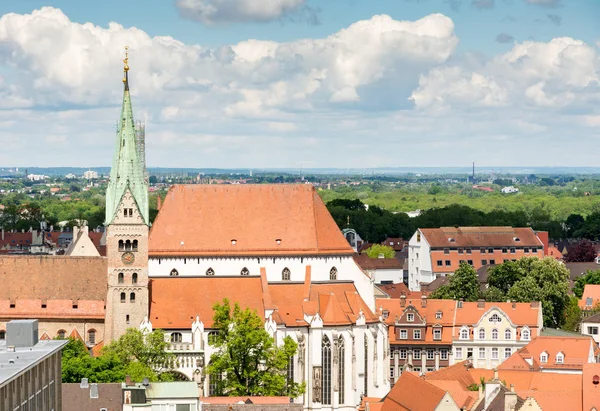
column 376, row 224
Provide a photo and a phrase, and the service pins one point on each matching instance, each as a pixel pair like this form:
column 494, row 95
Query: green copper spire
column 128, row 170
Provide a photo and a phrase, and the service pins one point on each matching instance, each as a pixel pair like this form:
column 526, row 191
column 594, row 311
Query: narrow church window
column 210, row 271
column 212, row 337
column 286, row 274
column 135, row 245
column 121, row 245
column 341, row 370
column 174, row 272
column 132, row 297
column 127, row 319
column 134, row 278
column 333, row 273
column 326, row 361
column 245, row 271
column 92, row 336
column 123, row 297
column 290, row 372
column 121, row 278
column 176, row 337
column 61, row 333
column 366, row 365
column 130, row 212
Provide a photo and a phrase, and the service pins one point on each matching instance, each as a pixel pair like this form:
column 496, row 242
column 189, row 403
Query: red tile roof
column 413, row 393
column 59, row 282
column 176, row 301
column 519, row 313
column 590, row 297
column 576, row 351
column 367, row 263
column 480, row 237
column 204, row 219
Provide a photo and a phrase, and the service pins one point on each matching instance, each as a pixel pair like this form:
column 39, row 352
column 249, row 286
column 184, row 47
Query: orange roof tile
column 553, row 252
column 176, row 301
column 461, row 396
column 97, row 349
column 86, row 309
column 413, row 393
column 519, row 313
column 45, row 336
column 75, row 335
column 590, row 297
column 337, row 303
column 576, row 351
column 458, row 372
column 255, row 216
column 367, row 263
column 480, row 237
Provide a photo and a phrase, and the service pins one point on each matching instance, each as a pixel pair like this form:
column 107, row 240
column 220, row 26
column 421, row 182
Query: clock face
column 128, row 258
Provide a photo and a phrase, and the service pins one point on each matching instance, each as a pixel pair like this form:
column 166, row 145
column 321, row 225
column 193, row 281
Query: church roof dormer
column 128, row 172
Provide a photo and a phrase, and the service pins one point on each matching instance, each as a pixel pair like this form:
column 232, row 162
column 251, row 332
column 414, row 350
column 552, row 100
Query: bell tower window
column 132, row 297
column 135, row 245
column 123, row 298
column 121, row 278
column 121, row 245
column 134, row 278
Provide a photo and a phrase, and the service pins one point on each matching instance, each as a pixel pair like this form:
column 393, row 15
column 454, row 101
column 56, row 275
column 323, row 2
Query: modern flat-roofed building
column 30, row 370
column 435, row 252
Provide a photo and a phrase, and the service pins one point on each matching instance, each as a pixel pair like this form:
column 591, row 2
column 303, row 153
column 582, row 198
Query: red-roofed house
column 590, row 298
column 435, row 252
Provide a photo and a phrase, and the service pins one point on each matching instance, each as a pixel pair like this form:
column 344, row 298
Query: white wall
column 347, row 269
column 394, row 275
column 585, row 331
column 419, row 263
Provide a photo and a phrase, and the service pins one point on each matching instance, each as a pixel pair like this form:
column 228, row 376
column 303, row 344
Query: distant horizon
column 509, row 170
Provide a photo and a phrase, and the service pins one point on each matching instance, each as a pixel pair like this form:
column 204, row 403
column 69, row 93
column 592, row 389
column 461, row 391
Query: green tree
column 590, row 277
column 504, row 275
column 464, row 284
column 573, row 315
column 247, row 358
column 377, row 249
column 547, row 281
column 148, row 350
column 494, row 294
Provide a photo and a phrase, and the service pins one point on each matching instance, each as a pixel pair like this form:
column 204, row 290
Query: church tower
column 127, row 226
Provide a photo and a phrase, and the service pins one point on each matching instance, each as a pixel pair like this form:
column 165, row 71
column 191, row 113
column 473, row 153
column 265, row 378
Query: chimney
column 128, row 382
column 481, row 303
column 459, row 303
column 514, row 304
column 2, row 233
column 535, row 304
column 423, row 301
column 158, row 203
column 402, row 300
column 510, row 399
column 543, row 237
column 496, row 373
column 480, row 396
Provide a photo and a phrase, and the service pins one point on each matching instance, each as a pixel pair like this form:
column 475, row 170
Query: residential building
column 85, row 396
column 554, row 354
column 90, row 175
column 414, row 393
column 420, row 333
column 160, row 396
column 30, row 370
column 487, row 333
column 435, row 252
column 590, row 325
column 509, row 190
column 590, row 298
column 383, row 270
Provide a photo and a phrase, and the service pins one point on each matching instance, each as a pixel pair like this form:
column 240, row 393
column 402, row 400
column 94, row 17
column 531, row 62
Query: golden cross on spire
column 126, row 62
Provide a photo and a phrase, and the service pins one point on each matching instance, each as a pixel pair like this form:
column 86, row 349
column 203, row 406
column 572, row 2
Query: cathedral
column 272, row 248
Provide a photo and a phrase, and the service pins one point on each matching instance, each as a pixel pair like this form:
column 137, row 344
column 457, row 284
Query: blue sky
column 273, row 87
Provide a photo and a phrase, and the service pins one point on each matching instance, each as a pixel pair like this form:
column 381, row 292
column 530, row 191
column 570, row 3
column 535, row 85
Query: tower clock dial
column 128, row 258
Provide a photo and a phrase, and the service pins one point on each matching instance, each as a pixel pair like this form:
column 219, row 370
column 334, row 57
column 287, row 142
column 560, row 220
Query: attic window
column 385, row 314
column 174, row 272
column 210, row 271
column 543, row 358
column 588, row 301
column 233, row 242
column 245, row 271
column 438, row 315
column 560, row 358
column 12, row 305
column 75, row 306
column 452, row 240
column 517, row 239
column 278, row 241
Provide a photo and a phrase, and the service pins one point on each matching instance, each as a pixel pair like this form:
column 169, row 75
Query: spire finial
column 126, row 64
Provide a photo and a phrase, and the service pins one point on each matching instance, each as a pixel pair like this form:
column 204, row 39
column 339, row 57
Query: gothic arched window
column 132, row 297
column 128, row 245
column 245, row 271
column 121, row 278
column 121, row 245
column 366, row 365
column 341, row 370
column 135, row 245
column 286, row 274
column 174, row 272
column 210, row 271
column 176, row 337
column 61, row 333
column 333, row 273
column 123, row 298
column 326, row 375
column 92, row 336
column 134, row 278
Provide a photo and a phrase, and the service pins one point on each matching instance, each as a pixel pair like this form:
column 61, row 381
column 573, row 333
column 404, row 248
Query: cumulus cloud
column 557, row 74
column 233, row 11
column 263, row 103
column 504, row 38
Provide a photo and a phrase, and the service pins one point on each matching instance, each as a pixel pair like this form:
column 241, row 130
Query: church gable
column 410, row 316
column 128, row 212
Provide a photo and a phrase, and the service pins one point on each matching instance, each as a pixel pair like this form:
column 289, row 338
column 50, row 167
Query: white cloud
column 228, row 11
column 558, row 73
column 265, row 104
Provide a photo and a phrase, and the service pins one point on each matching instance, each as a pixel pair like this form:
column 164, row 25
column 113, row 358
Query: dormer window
column 410, row 317
column 233, row 242
column 588, row 301
column 278, row 241
column 385, row 314
column 464, row 333
column 516, row 239
column 418, row 238
column 438, row 315
column 525, row 334
column 544, row 357
column 560, row 358
column 452, row 240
